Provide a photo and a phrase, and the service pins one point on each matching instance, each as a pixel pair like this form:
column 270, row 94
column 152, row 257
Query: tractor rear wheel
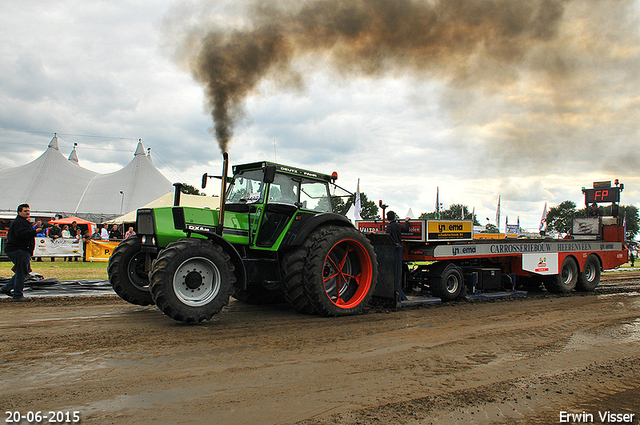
column 589, row 278
column 340, row 271
column 292, row 270
column 191, row 280
column 566, row 281
column 127, row 273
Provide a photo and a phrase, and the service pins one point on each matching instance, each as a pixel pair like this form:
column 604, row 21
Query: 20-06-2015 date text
column 39, row 417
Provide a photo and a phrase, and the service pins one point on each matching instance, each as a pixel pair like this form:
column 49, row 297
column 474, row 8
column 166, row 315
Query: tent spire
column 139, row 148
column 54, row 142
column 149, row 155
column 73, row 156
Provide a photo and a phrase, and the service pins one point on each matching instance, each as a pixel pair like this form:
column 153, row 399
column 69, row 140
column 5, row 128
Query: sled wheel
column 191, row 280
column 589, row 278
column 566, row 281
column 340, row 272
column 448, row 285
column 127, row 273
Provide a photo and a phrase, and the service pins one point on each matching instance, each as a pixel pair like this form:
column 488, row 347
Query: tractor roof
column 281, row 169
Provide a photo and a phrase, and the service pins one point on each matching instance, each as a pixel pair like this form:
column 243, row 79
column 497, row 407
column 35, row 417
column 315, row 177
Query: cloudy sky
column 528, row 100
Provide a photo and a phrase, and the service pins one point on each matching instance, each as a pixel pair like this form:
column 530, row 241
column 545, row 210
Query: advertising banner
column 100, row 250
column 541, row 263
column 62, row 247
column 449, row 230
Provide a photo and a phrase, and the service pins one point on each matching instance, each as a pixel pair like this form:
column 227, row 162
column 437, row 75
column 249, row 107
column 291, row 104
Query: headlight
column 143, row 239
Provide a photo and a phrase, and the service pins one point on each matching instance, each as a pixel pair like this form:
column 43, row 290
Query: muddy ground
column 518, row 361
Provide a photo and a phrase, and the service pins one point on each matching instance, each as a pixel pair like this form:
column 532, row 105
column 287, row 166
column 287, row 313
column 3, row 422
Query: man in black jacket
column 19, row 248
column 396, row 229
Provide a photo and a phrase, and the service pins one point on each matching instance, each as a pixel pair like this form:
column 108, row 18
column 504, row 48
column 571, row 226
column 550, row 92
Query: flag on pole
column 518, row 224
column 506, row 224
column 356, row 212
column 498, row 214
column 543, row 220
column 437, row 201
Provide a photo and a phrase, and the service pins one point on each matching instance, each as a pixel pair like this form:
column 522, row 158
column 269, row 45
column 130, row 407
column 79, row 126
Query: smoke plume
column 467, row 44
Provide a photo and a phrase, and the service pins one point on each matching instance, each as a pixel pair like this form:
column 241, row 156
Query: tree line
column 559, row 218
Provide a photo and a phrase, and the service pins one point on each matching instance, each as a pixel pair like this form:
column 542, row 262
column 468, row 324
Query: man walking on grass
column 19, row 248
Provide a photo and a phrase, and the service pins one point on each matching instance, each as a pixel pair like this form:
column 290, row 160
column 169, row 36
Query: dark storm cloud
column 464, row 42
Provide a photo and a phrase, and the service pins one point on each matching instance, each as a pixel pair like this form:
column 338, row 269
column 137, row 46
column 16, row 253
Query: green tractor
column 274, row 239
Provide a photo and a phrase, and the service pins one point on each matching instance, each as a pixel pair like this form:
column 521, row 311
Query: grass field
column 61, row 270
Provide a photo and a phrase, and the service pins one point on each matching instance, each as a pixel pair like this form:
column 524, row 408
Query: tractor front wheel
column 191, row 280
column 340, row 271
column 127, row 272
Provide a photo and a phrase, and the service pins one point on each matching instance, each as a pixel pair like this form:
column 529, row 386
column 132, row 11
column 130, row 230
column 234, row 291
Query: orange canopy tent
column 68, row 220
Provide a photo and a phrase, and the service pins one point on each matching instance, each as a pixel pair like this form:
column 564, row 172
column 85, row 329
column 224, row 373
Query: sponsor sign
column 425, row 230
column 416, row 229
column 540, row 263
column 100, row 250
column 61, row 247
column 449, row 230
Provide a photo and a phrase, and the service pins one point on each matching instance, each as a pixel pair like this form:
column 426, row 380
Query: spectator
column 129, row 233
column 96, row 233
column 85, row 240
column 65, row 231
column 55, row 232
column 40, row 234
column 104, row 233
column 74, row 229
column 114, row 234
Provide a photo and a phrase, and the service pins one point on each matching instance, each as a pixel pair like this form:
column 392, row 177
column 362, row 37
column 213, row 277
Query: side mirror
column 269, row 173
column 205, row 177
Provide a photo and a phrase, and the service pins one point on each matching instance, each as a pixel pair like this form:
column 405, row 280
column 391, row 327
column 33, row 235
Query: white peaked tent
column 110, row 195
column 51, row 184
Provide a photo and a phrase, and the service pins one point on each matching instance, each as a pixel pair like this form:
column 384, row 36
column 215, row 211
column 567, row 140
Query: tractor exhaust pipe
column 176, row 194
column 223, row 191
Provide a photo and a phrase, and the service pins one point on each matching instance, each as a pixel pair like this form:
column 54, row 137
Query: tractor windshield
column 303, row 193
column 247, row 188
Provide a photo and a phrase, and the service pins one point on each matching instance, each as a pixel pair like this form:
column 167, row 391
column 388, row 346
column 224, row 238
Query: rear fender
column 304, row 224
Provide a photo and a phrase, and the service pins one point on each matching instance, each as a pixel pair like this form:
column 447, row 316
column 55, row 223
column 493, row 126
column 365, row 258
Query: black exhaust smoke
column 557, row 74
column 362, row 37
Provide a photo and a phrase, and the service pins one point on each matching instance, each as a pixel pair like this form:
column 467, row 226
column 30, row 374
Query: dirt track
column 520, row 361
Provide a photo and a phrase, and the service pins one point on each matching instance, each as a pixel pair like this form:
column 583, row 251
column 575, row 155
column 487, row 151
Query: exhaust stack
column 223, row 191
column 176, row 194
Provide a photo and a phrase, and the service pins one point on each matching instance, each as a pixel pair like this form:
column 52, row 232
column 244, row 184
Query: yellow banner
column 449, row 230
column 100, row 250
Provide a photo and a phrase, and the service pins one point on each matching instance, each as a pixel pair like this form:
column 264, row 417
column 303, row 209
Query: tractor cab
column 264, row 199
